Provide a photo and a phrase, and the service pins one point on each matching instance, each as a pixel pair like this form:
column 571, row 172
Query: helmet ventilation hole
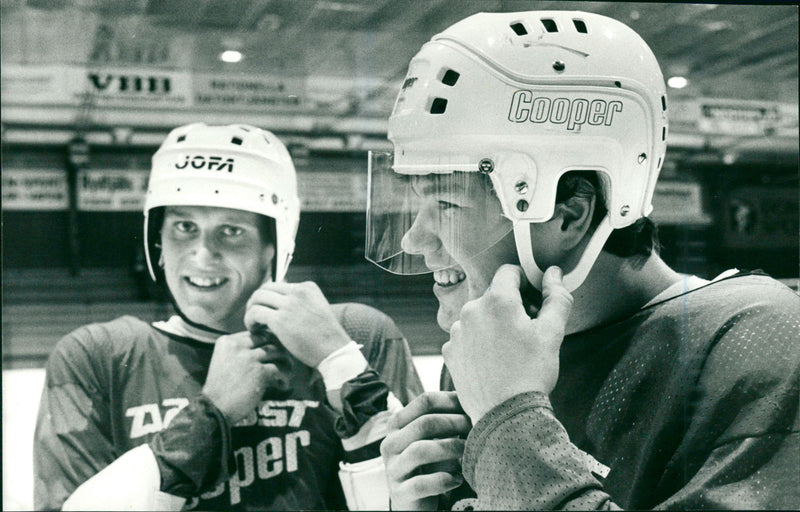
column 618, row 84
column 580, row 26
column 236, row 140
column 181, row 138
column 519, row 28
column 438, row 106
column 549, row 25
column 450, row 77
column 663, row 103
column 663, row 133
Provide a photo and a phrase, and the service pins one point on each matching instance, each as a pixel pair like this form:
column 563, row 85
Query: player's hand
column 239, row 373
column 496, row 351
column 423, row 450
column 300, row 316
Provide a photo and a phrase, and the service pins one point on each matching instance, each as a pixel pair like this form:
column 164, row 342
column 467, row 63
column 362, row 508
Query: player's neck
column 616, row 288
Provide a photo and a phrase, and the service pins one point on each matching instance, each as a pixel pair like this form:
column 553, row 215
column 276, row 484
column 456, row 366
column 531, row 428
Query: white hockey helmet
column 236, row 166
column 526, row 97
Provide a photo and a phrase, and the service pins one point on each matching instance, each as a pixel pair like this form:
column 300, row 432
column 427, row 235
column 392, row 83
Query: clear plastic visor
column 419, row 222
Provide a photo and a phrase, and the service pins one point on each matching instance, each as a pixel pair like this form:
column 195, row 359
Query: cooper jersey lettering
column 268, row 459
column 573, row 113
column 258, row 455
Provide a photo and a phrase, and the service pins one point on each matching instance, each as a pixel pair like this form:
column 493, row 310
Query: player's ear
column 574, row 218
column 269, row 262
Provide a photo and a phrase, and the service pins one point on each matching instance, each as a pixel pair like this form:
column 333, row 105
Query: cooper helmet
column 236, row 166
column 526, row 97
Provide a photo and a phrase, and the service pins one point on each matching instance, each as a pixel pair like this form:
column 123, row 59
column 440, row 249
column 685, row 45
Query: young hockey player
column 532, row 141
column 258, row 394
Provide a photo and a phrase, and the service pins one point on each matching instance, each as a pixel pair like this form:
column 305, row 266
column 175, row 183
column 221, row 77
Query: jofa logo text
column 212, row 163
column 576, row 112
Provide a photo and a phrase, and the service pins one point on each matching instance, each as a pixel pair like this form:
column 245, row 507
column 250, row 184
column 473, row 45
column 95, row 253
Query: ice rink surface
column 21, row 391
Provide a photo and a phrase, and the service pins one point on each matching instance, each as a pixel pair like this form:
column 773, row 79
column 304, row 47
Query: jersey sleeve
column 519, row 457
column 368, row 400
column 384, row 347
column 72, row 439
column 740, row 450
column 389, row 381
column 388, row 353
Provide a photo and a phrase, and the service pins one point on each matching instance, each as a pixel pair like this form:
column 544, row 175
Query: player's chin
column 445, row 319
column 211, row 314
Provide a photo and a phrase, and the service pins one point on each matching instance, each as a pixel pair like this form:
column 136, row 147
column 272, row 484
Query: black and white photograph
column 400, row 255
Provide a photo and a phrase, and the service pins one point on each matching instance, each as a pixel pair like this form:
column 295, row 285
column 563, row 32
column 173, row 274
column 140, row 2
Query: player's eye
column 185, row 226
column 232, row 231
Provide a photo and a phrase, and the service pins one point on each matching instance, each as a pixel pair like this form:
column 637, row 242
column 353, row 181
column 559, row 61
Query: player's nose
column 420, row 239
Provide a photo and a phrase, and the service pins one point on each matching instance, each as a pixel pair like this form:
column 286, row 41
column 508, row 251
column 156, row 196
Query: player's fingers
column 269, row 371
column 302, row 290
column 426, row 403
column 433, row 484
column 557, row 301
column 281, row 287
column 430, row 426
column 270, row 352
column 267, row 297
column 257, row 315
column 436, row 452
column 507, row 282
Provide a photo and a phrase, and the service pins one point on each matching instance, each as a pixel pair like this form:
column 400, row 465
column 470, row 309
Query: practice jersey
column 110, row 387
column 690, row 403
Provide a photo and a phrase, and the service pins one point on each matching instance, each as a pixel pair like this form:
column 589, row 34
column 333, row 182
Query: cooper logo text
column 212, row 163
column 574, row 113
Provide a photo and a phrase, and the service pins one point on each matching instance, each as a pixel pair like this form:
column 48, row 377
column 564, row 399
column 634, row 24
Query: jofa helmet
column 236, row 166
column 524, row 98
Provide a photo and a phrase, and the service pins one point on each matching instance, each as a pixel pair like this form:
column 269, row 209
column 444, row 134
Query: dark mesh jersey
column 112, row 386
column 691, row 402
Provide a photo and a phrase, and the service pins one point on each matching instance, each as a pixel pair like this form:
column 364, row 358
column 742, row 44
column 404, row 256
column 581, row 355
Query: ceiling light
column 677, row 82
column 230, row 56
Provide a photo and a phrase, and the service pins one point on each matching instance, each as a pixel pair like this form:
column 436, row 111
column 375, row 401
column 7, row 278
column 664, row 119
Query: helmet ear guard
column 529, row 96
column 240, row 167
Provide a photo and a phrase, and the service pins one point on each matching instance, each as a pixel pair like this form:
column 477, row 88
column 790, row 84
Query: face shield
column 421, row 220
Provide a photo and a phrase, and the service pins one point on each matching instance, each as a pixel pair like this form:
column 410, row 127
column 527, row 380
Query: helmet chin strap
column 572, row 280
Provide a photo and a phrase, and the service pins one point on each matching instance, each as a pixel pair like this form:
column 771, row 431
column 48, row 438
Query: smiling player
column 587, row 372
column 257, row 394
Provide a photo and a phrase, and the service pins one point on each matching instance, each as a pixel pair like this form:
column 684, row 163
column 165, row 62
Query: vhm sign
column 114, row 83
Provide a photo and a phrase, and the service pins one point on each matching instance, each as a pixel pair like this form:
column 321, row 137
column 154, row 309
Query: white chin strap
column 572, row 280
